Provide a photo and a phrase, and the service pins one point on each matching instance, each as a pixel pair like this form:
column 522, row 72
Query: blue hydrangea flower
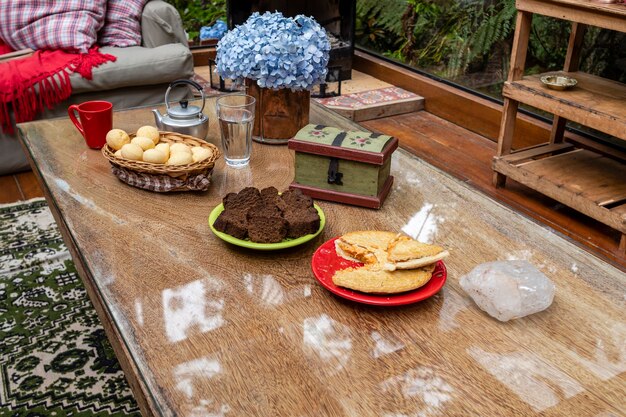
column 216, row 31
column 276, row 51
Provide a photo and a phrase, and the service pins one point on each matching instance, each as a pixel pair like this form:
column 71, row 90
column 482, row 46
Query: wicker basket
column 176, row 171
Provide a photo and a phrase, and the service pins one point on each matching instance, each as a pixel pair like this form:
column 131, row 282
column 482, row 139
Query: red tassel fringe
column 31, row 96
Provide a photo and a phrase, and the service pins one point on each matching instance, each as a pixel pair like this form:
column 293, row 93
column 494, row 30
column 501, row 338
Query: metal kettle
column 184, row 118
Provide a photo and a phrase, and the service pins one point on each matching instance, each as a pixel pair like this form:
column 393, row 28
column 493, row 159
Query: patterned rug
column 55, row 359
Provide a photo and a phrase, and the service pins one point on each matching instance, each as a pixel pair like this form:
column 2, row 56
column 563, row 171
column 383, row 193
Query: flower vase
column 279, row 114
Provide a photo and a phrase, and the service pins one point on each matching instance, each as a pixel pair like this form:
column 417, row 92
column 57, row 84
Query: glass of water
column 235, row 113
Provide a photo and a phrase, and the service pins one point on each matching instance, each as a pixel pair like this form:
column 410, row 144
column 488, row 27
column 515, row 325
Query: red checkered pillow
column 71, row 25
column 122, row 26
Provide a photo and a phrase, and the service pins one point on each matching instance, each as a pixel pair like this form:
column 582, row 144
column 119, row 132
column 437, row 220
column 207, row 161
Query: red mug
column 96, row 119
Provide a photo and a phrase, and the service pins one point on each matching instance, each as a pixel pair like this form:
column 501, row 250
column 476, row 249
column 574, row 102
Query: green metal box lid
column 372, row 148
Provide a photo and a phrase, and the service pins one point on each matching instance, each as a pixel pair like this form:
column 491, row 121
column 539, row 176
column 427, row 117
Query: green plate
column 287, row 243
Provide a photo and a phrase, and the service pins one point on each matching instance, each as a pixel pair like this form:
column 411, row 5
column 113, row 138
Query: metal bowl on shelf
column 558, row 82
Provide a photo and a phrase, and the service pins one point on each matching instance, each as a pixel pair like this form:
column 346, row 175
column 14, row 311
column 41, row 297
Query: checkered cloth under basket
column 163, row 183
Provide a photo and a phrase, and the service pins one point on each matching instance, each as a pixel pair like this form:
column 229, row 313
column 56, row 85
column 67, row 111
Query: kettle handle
column 191, row 83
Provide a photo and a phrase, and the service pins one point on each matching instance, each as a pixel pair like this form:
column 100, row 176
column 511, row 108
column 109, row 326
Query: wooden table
column 205, row 328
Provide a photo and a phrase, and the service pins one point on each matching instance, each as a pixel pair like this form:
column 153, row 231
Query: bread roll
column 116, row 138
column 179, row 147
column 154, row 156
column 180, row 158
column 144, row 142
column 165, row 148
column 132, row 151
column 149, row 132
column 199, row 153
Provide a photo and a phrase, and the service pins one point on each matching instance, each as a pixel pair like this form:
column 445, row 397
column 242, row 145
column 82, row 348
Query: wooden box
column 346, row 167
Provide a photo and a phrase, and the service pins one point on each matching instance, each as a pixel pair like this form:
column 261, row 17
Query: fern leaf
column 387, row 13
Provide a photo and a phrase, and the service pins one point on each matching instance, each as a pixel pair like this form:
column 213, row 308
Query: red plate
column 326, row 261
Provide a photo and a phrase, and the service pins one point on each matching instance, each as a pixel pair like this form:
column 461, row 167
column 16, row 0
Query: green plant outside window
column 469, row 42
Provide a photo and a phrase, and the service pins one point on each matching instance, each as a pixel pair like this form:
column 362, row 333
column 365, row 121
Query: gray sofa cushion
column 161, row 24
column 121, row 98
column 137, row 66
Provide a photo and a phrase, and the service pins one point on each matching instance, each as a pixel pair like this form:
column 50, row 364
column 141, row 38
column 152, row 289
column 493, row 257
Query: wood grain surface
column 589, row 12
column 595, row 102
column 10, row 189
column 279, row 114
column 599, row 193
column 206, row 328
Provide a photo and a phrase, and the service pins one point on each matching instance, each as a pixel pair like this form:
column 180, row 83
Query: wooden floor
column 457, row 151
column 22, row 186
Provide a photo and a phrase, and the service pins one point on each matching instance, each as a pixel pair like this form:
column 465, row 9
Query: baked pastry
column 296, row 200
column 243, row 200
column 232, row 223
column 368, row 247
column 387, row 251
column 301, row 222
column 266, row 227
column 406, row 253
column 393, row 262
column 266, row 223
column 266, row 216
column 378, row 281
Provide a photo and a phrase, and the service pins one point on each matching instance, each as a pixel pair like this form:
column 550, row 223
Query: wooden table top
column 205, row 328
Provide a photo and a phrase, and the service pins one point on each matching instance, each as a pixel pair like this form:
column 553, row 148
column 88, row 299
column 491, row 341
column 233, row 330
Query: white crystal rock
column 508, row 289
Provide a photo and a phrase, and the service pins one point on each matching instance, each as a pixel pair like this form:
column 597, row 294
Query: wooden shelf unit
column 599, row 193
column 588, row 181
column 595, row 102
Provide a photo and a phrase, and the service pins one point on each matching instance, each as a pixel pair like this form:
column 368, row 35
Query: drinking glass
column 235, row 114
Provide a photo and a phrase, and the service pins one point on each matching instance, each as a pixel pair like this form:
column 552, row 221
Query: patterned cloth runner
column 163, row 183
column 366, row 141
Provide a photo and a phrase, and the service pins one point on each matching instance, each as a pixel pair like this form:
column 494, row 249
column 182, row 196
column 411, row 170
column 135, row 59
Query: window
column 468, row 42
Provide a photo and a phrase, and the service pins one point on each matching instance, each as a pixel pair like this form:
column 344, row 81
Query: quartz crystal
column 508, row 289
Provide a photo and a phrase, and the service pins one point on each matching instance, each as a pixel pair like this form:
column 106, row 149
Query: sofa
column 139, row 76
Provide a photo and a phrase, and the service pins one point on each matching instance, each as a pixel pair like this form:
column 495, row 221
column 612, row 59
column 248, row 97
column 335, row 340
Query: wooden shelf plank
column 580, row 179
column 594, row 102
column 603, row 181
column 607, row 16
column 619, row 210
column 535, row 151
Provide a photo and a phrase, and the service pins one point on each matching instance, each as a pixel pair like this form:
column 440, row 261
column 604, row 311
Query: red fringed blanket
column 43, row 79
